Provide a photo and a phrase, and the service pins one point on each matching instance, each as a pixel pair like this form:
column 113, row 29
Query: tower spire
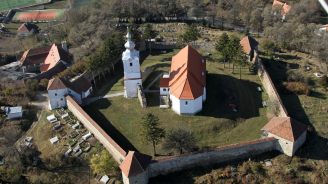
column 129, row 43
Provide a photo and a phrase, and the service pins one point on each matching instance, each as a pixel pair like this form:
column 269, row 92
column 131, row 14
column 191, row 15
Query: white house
column 14, row 112
column 79, row 88
column 187, row 82
column 131, row 65
column 290, row 134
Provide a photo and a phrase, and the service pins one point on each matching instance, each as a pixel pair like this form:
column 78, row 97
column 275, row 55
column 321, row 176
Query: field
column 39, row 15
column 10, row 4
column 216, row 125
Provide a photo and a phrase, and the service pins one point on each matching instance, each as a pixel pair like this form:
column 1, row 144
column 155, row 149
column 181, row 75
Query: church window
column 130, row 64
column 186, row 102
column 164, row 89
column 61, row 99
column 55, row 94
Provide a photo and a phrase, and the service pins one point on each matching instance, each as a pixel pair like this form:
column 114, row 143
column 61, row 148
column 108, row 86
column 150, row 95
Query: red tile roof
column 285, row 127
column 187, row 76
column 248, row 44
column 27, row 27
column 56, row 54
column 134, row 163
column 35, row 56
column 164, row 82
column 81, row 84
column 56, row 83
column 285, row 8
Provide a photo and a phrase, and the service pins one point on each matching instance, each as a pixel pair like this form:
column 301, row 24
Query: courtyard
column 218, row 124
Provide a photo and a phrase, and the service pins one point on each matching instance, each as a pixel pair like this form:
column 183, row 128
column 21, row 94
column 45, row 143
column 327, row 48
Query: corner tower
column 131, row 65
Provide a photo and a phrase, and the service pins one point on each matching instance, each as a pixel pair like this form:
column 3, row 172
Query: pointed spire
column 129, row 43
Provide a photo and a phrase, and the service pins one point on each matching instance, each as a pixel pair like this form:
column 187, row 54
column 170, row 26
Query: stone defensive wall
column 220, row 155
column 113, row 148
column 271, row 89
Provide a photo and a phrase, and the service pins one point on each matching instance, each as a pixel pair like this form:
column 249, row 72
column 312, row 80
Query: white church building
column 186, row 83
column 131, row 65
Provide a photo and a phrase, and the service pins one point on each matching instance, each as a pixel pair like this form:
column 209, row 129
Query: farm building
column 186, row 85
column 27, row 29
column 48, row 61
column 14, row 112
column 79, row 88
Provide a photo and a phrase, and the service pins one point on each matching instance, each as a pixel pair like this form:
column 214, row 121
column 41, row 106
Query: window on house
column 164, row 89
column 186, row 102
column 55, row 94
column 61, row 99
column 130, row 64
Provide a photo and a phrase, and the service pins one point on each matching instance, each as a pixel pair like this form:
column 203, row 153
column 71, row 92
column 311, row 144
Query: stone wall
column 113, row 148
column 271, row 89
column 219, row 155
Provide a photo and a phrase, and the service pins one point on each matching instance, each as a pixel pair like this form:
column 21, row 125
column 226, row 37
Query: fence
column 113, row 148
column 271, row 89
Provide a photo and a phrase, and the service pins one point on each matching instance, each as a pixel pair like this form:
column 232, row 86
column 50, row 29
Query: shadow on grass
column 224, row 90
column 105, row 124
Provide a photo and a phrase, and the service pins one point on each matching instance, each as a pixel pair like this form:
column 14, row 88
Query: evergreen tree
column 151, row 131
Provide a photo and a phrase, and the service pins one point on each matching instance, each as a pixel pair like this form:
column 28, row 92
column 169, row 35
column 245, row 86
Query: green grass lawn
column 9, row 4
column 216, row 125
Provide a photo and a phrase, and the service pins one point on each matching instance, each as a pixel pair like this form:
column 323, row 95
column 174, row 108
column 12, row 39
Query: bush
column 299, row 88
column 257, row 168
column 294, row 76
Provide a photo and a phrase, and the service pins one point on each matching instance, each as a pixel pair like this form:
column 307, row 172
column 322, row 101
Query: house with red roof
column 186, row 83
column 48, row 61
column 78, row 88
column 290, row 134
column 250, row 48
column 27, row 29
column 282, row 7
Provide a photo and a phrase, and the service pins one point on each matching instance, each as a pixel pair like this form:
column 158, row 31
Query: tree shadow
column 224, row 90
column 315, row 147
column 106, row 125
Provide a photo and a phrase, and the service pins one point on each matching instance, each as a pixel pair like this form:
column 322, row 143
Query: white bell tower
column 131, row 65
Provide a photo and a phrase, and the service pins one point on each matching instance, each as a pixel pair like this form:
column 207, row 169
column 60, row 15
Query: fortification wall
column 271, row 89
column 113, row 148
column 219, row 155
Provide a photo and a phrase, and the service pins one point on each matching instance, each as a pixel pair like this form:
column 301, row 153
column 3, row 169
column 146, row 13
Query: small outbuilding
column 134, row 168
column 290, row 133
column 54, row 140
column 14, row 112
column 27, row 29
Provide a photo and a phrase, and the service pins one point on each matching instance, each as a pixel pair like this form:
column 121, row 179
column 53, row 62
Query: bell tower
column 131, row 65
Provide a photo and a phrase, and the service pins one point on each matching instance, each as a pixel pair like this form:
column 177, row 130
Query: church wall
column 219, row 155
column 187, row 106
column 112, row 147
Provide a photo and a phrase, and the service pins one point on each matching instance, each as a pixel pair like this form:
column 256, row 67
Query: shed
column 54, row 140
column 14, row 112
column 86, row 136
column 104, row 179
column 52, row 118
